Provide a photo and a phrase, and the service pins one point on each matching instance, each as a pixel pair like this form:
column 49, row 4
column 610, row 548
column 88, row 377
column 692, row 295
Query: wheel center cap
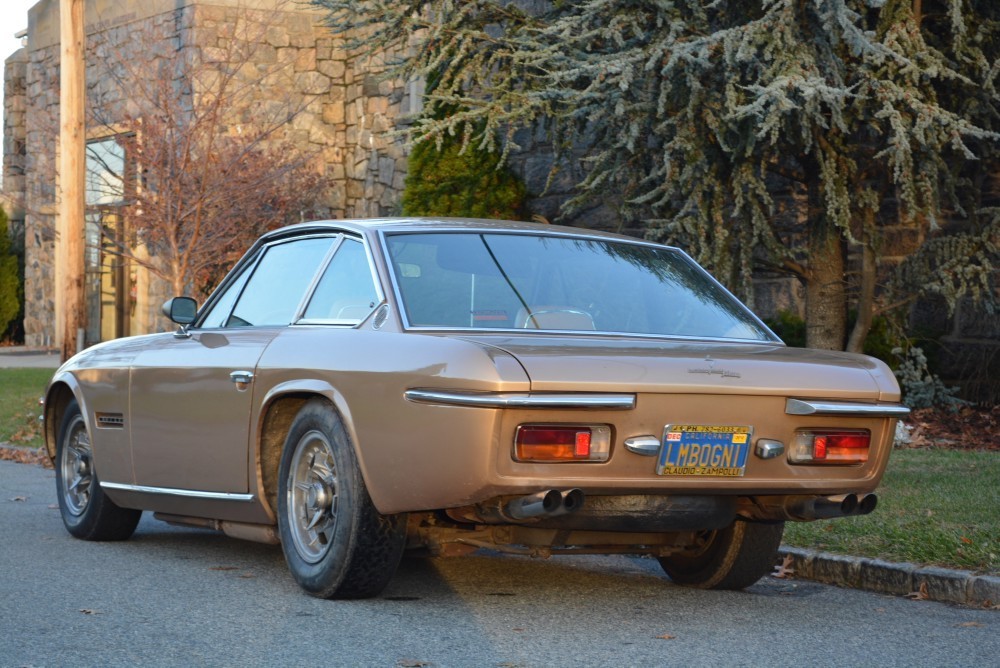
column 82, row 467
column 318, row 496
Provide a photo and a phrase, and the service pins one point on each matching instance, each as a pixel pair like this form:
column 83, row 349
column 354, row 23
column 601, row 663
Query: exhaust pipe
column 822, row 508
column 550, row 503
column 572, row 500
column 808, row 508
column 867, row 504
column 535, row 505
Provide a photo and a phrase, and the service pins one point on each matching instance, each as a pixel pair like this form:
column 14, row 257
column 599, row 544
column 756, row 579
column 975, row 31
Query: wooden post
column 72, row 148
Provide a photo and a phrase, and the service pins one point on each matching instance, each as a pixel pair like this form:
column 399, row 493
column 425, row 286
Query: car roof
column 435, row 224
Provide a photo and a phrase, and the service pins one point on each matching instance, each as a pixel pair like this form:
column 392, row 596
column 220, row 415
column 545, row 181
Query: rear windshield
column 537, row 282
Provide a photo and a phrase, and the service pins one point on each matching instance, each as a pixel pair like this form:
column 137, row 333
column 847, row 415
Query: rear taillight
column 830, row 446
column 562, row 443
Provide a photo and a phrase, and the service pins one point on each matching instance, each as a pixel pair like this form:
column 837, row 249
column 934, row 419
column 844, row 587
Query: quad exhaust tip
column 549, row 503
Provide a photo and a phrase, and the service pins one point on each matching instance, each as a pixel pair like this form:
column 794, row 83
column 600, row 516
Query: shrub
column 921, row 388
column 450, row 182
column 10, row 281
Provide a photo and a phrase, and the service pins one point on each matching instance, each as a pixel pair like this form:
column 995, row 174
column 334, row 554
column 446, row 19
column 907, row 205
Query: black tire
column 336, row 543
column 730, row 558
column 86, row 511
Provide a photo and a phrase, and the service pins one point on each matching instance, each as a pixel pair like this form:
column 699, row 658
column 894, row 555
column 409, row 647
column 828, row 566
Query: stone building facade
column 346, row 115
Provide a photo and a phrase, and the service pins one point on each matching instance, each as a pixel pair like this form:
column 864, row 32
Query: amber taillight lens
column 562, row 443
column 830, row 446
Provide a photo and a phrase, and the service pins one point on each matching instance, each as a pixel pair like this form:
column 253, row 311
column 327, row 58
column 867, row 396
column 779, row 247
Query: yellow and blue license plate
column 710, row 450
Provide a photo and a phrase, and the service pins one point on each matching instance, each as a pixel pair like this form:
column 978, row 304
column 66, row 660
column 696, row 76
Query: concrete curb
column 924, row 582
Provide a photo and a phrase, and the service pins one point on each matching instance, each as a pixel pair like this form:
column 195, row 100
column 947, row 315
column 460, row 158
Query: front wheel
column 86, row 511
column 336, row 543
column 730, row 558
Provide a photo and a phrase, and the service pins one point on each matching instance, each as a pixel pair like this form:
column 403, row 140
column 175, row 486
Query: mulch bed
column 968, row 428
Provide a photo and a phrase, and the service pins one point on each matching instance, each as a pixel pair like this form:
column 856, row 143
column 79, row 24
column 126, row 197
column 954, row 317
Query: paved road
column 179, row 597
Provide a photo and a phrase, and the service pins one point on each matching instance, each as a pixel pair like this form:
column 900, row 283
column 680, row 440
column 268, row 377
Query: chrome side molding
column 521, row 399
column 814, row 407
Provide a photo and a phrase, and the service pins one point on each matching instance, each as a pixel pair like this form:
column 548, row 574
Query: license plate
column 697, row 449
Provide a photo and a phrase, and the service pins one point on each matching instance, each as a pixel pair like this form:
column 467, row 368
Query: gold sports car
column 354, row 389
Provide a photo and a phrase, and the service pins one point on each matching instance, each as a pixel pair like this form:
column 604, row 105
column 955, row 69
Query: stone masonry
column 346, row 113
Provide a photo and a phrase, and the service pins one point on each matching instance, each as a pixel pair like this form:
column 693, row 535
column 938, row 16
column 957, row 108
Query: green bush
column 450, row 182
column 10, row 281
column 790, row 327
column 881, row 342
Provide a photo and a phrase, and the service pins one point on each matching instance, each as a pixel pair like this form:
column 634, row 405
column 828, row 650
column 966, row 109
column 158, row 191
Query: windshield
column 462, row 280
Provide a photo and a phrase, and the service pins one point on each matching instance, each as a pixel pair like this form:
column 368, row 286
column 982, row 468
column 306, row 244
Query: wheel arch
column 61, row 391
column 278, row 410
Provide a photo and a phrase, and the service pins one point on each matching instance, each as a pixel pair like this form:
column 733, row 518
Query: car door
column 191, row 397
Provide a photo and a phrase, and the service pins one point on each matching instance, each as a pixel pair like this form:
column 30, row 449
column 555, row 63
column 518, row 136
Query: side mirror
column 181, row 310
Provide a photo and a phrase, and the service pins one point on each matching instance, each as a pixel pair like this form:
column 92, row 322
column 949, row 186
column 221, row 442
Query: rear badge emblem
column 710, row 370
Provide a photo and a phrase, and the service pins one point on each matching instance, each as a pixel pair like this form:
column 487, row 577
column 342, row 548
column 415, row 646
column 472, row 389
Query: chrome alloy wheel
column 76, row 466
column 312, row 496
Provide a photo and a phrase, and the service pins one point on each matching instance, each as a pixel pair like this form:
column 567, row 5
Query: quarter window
column 346, row 292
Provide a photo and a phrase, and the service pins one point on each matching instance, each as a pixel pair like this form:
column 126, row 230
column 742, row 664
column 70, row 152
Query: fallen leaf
column 967, row 541
column 919, row 595
column 412, row 663
column 784, row 569
column 665, row 636
column 969, row 624
column 88, row 611
column 19, row 498
column 223, row 568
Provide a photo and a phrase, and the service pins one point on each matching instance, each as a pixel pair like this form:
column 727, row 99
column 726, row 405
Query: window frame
column 772, row 338
column 251, row 261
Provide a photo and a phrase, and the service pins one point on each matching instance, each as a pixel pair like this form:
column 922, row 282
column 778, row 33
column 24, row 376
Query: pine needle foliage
column 697, row 116
column 10, row 281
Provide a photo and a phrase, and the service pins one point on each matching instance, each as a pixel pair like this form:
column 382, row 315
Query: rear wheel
column 730, row 558
column 86, row 511
column 336, row 543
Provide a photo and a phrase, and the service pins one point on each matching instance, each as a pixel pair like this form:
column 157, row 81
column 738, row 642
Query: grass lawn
column 937, row 506
column 20, row 390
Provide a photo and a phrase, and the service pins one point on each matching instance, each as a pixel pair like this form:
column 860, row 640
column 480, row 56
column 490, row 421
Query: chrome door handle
column 242, row 379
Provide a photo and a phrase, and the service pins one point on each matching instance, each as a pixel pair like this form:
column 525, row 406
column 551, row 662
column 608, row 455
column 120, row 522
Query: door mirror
column 181, row 310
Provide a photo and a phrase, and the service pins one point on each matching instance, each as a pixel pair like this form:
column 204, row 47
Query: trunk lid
column 603, row 364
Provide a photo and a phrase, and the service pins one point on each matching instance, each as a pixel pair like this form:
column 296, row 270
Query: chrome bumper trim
column 188, row 493
column 810, row 407
column 522, row 400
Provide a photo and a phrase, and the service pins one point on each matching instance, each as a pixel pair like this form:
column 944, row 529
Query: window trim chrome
column 407, row 326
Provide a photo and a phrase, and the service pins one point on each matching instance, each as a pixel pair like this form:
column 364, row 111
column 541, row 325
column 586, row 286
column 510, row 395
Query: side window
column 346, row 292
column 220, row 311
column 279, row 282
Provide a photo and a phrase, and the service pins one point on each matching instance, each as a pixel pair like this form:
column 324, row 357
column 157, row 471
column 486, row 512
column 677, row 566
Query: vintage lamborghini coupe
column 355, row 389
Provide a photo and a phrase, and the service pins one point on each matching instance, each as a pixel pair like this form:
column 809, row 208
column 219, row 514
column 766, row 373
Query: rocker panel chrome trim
column 188, row 493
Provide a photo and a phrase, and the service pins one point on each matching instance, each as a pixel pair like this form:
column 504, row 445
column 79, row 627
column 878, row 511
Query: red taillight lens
column 562, row 443
column 823, row 446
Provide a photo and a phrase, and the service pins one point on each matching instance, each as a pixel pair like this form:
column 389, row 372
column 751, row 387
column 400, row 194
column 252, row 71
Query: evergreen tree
column 697, row 115
column 10, row 282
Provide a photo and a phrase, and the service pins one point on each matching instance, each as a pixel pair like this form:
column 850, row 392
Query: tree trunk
column 866, row 297
column 826, row 296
